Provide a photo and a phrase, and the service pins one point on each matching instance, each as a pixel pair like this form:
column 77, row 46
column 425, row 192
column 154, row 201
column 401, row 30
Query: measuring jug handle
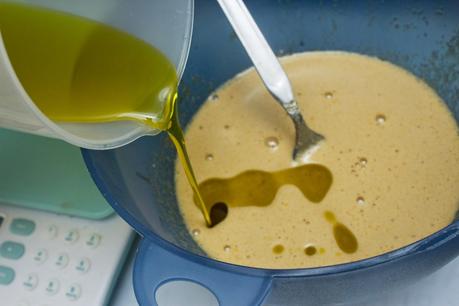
column 164, row 269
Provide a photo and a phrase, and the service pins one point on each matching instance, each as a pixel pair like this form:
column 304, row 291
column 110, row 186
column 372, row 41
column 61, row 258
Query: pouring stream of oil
column 176, row 135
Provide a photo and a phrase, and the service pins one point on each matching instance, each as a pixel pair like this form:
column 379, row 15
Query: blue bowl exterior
column 422, row 36
column 158, row 262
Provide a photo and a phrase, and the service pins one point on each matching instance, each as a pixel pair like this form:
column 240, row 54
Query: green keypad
column 22, row 227
column 12, row 250
column 6, row 275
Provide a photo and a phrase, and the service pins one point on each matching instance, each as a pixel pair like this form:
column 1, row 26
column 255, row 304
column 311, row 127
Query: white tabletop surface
column 438, row 289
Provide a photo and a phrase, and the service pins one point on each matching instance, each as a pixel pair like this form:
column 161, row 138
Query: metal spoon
column 271, row 72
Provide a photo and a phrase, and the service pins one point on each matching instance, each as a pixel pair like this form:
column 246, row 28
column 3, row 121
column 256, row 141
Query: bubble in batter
column 272, row 143
column 360, row 200
column 380, row 119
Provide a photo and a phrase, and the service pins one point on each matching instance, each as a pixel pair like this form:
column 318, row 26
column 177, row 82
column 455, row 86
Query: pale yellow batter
column 391, row 145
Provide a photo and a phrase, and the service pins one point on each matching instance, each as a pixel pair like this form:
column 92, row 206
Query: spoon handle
column 271, row 72
column 259, row 51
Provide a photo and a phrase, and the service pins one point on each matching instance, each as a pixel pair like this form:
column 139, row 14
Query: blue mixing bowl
column 138, row 179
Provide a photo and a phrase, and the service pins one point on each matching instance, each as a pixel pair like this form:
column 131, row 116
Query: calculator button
column 40, row 256
column 12, row 250
column 52, row 286
column 22, row 227
column 73, row 292
column 93, row 241
column 83, row 265
column 71, row 236
column 51, row 231
column 62, row 261
column 31, row 282
column 6, row 275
